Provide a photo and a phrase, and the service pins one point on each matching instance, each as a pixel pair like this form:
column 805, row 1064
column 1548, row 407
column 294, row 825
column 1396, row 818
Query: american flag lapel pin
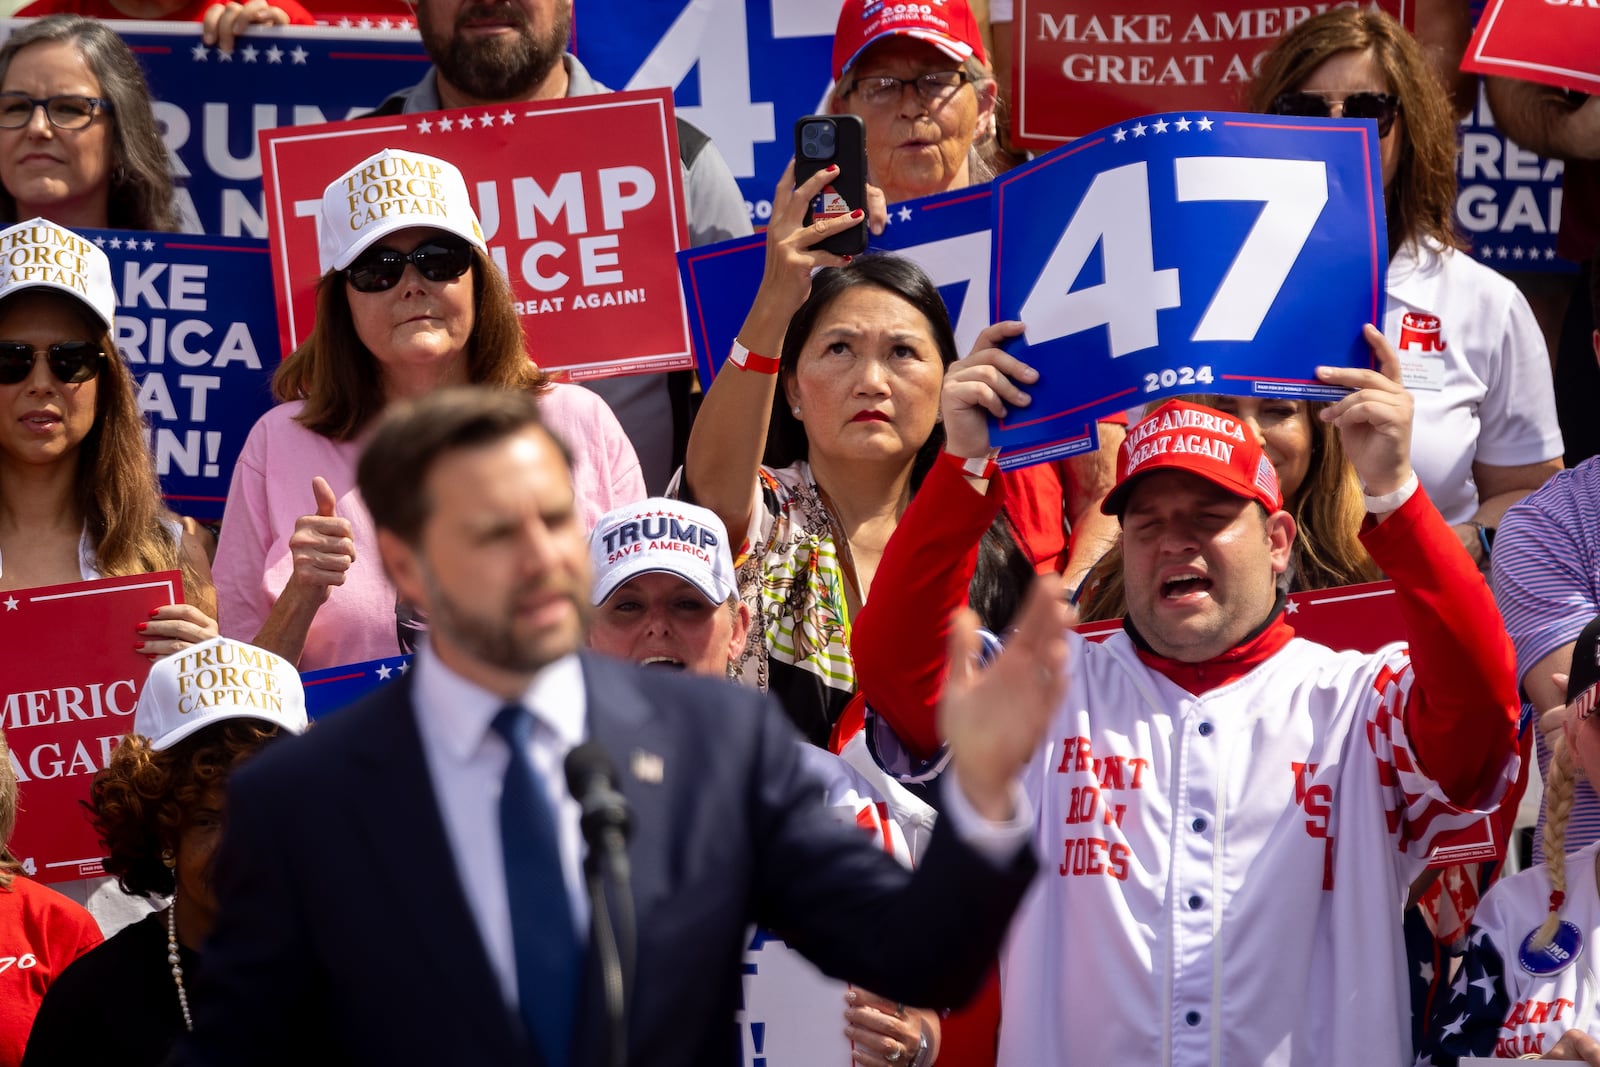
column 647, row 767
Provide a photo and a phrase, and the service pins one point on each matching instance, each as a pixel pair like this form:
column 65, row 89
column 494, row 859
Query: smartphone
column 823, row 139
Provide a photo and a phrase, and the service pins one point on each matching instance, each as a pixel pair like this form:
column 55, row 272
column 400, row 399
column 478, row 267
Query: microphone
column 606, row 822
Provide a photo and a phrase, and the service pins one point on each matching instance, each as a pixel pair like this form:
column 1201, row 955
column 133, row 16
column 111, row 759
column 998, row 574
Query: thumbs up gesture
column 323, row 546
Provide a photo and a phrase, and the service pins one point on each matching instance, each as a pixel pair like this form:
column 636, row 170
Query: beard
column 499, row 68
column 494, row 639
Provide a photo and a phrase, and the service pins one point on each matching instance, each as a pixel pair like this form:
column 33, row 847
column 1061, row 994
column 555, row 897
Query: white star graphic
column 1426, row 972
column 1161, row 125
column 1119, row 135
column 116, row 242
column 447, row 124
column 1457, row 1026
column 1516, row 253
column 224, row 57
column 149, row 245
column 1459, row 986
column 365, row 24
column 1205, row 124
column 344, row 23
column 905, row 214
column 425, row 126
column 384, row 672
column 299, row 55
column 1183, row 125
column 1486, row 984
column 274, row 54
column 11, row 603
column 466, row 122
column 1502, row 251
column 200, row 52
column 507, row 118
column 100, row 241
column 1138, row 131
column 406, row 666
column 250, row 53
column 1291, row 607
column 385, row 24
column 1549, row 253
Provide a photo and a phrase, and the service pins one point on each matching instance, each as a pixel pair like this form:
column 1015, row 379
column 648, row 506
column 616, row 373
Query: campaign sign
column 1546, row 41
column 1084, row 64
column 71, row 683
column 947, row 235
column 335, row 687
column 585, row 227
column 212, row 104
column 742, row 71
column 1364, row 618
column 1186, row 253
column 200, row 338
column 1508, row 199
column 792, row 1014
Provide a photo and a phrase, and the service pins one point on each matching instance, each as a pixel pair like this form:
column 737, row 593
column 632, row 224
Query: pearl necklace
column 177, row 965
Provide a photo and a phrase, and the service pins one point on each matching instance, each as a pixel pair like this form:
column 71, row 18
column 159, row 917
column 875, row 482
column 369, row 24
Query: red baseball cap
column 1200, row 440
column 948, row 25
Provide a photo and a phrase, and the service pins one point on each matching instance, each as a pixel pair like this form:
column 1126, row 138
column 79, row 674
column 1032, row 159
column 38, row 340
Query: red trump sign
column 1547, row 41
column 71, row 683
column 1084, row 64
column 580, row 202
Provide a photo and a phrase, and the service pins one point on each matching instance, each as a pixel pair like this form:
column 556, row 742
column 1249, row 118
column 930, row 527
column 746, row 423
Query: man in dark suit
column 373, row 879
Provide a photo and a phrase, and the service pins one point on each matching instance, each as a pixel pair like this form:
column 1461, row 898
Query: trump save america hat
column 216, row 680
column 38, row 254
column 389, row 191
column 948, row 25
column 1188, row 437
column 661, row 536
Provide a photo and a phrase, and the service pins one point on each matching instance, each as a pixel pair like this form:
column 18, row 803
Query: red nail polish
column 140, row 627
column 857, row 213
column 154, row 612
column 849, row 259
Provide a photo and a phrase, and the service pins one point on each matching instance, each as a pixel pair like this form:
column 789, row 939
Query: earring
column 168, row 859
column 796, row 410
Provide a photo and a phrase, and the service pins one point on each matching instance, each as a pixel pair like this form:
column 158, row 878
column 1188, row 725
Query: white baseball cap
column 391, row 191
column 38, row 254
column 662, row 536
column 216, row 680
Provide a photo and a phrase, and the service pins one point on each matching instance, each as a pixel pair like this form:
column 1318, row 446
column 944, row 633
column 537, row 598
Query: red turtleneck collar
column 1238, row 661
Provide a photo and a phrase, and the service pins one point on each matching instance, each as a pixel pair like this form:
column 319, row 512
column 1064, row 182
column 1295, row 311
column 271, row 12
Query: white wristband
column 1382, row 505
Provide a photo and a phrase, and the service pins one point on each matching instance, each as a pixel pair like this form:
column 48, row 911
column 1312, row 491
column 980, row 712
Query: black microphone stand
column 605, row 827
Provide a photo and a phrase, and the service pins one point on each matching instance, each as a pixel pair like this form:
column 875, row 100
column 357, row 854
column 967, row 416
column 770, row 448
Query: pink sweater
column 272, row 488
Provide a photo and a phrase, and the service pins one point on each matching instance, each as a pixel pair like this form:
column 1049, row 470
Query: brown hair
column 1560, row 783
column 1420, row 201
column 9, row 867
column 142, row 801
column 141, row 183
column 394, row 466
column 1327, row 511
column 115, row 486
column 338, row 376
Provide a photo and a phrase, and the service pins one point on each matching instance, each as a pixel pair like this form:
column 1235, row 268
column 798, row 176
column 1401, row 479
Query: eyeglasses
column 440, row 259
column 934, row 87
column 1380, row 106
column 72, row 362
column 64, row 112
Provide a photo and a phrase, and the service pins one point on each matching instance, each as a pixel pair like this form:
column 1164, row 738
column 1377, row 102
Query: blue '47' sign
column 1186, row 253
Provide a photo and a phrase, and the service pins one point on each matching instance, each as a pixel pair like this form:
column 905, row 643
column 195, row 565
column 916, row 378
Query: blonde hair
column 9, row 867
column 1559, row 785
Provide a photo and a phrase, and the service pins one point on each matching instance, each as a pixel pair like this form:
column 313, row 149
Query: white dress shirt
column 467, row 764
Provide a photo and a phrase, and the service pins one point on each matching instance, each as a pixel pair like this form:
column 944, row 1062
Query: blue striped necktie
column 549, row 956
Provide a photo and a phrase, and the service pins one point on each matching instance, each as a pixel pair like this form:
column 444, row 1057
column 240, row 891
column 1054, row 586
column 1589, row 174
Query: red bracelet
column 745, row 359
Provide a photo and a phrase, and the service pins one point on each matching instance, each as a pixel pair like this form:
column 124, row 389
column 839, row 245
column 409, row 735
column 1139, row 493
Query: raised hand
column 1374, row 421
column 984, row 383
column 322, row 545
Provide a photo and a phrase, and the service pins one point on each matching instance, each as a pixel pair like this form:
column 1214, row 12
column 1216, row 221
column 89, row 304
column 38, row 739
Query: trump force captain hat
column 389, row 191
column 216, row 680
column 38, row 254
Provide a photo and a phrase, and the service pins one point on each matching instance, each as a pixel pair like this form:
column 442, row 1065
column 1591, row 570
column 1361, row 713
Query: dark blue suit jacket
column 345, row 936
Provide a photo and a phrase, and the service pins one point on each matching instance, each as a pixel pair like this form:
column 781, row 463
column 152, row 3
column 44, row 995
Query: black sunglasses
column 439, row 259
column 1382, row 107
column 71, row 362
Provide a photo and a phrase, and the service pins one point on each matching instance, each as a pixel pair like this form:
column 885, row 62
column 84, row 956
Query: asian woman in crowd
column 159, row 807
column 401, row 310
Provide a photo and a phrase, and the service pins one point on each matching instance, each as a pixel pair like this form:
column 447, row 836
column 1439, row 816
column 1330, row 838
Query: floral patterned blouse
column 790, row 576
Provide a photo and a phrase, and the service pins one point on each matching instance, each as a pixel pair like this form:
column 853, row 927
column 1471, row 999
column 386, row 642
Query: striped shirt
column 1546, row 576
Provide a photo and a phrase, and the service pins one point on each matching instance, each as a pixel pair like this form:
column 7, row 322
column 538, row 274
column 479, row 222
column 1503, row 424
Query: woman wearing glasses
column 78, row 142
column 401, row 310
column 1472, row 354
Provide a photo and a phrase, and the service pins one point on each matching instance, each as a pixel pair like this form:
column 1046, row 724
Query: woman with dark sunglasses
column 402, row 309
column 79, row 143
column 1472, row 354
column 79, row 497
